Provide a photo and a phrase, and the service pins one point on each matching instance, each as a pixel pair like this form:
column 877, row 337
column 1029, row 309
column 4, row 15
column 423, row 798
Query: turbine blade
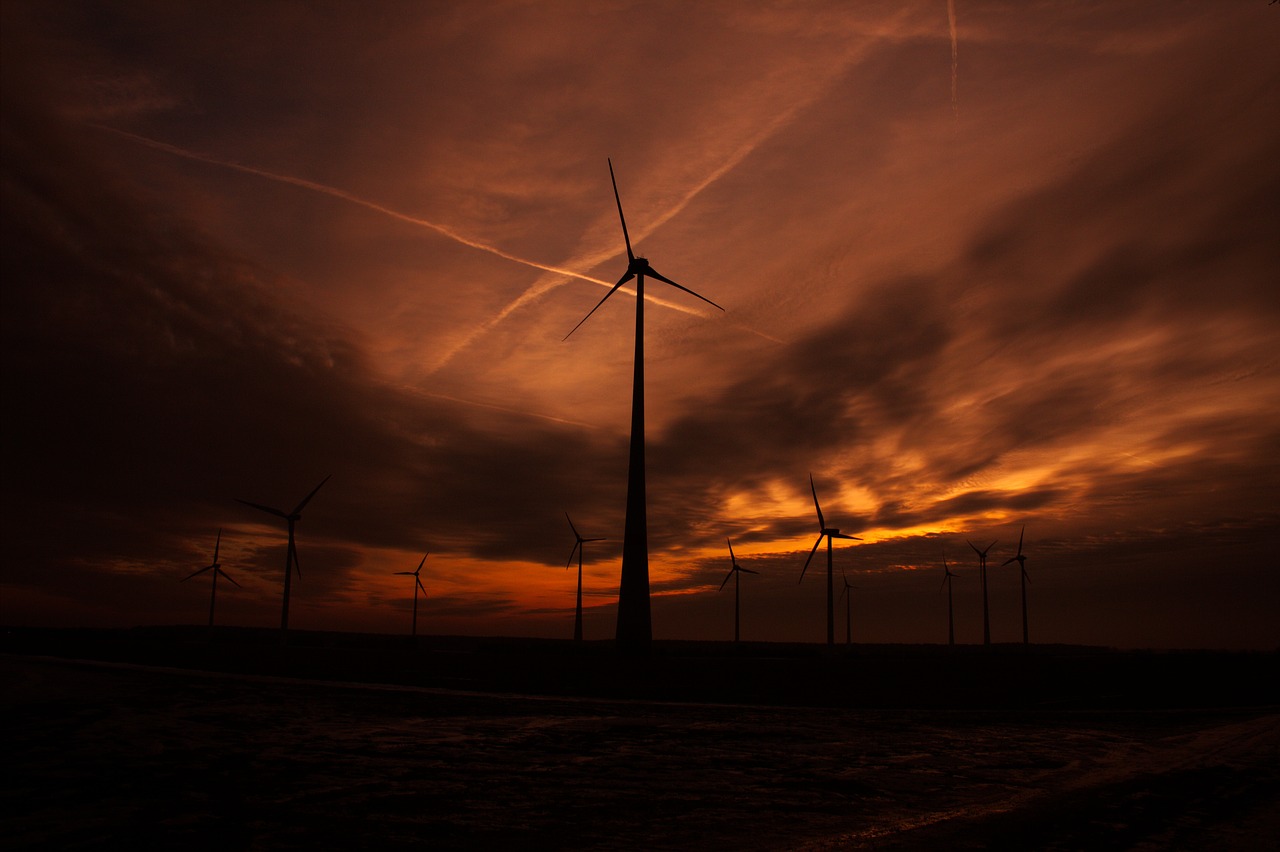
column 989, row 546
column 403, row 573
column 1007, row 561
column 595, row 539
column 810, row 559
column 227, row 577
column 420, row 586
column 1020, row 534
column 216, row 544
column 822, row 522
column 1026, row 575
column 748, row 571
column 570, row 520
column 732, row 558
column 654, row 274
column 293, row 551
column 195, row 573
column 267, row 509
column 621, row 218
column 974, row 546
column 307, row 499
column 725, row 580
column 571, row 553
column 842, row 535
column 945, row 577
column 623, row 280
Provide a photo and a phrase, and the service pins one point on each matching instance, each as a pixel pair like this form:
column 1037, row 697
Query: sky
column 985, row 266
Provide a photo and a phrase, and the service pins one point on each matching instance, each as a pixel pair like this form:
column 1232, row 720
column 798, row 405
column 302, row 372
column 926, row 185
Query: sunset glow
column 985, row 266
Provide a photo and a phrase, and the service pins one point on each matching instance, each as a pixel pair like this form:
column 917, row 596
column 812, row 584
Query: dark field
column 500, row 743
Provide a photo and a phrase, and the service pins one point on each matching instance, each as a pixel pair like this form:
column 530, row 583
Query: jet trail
column 955, row 56
column 334, row 192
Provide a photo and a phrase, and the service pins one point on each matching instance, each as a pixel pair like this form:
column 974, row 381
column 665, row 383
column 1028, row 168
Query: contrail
column 334, row 192
column 955, row 57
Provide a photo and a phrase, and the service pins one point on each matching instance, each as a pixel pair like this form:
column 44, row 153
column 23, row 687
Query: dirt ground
column 109, row 755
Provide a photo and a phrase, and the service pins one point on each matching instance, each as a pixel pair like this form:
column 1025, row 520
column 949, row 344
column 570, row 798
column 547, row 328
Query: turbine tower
column 417, row 584
column 216, row 568
column 982, row 572
column 736, row 571
column 635, row 627
column 291, row 555
column 577, row 548
column 828, row 533
column 951, row 618
column 1022, row 569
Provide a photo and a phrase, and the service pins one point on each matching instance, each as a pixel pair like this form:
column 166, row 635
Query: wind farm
column 977, row 267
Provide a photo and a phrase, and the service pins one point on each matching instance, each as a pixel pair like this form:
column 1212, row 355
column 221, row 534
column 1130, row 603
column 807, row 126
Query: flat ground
column 105, row 754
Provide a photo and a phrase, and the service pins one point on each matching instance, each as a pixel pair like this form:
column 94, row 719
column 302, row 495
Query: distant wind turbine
column 577, row 548
column 951, row 618
column 216, row 568
column 417, row 584
column 1022, row 569
column 635, row 627
column 828, row 533
column 736, row 571
column 982, row 571
column 291, row 555
column 848, row 608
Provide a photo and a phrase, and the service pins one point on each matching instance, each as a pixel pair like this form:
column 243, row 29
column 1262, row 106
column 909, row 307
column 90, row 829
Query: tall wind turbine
column 291, row 555
column 982, row 571
column 828, row 533
column 848, row 608
column 736, row 571
column 577, row 548
column 216, row 568
column 1022, row 569
column 417, row 584
column 635, row 628
column 951, row 618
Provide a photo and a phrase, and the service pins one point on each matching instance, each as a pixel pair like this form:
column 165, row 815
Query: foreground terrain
column 258, row 753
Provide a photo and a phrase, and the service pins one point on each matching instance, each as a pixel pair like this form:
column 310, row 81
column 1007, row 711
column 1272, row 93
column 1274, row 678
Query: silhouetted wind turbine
column 735, row 572
column 291, row 555
column 848, row 609
column 216, row 568
column 982, row 571
column 635, row 628
column 417, row 584
column 951, row 619
column 828, row 533
column 1022, row 569
column 577, row 548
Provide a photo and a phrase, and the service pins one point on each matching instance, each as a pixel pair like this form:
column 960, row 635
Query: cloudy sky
column 1012, row 267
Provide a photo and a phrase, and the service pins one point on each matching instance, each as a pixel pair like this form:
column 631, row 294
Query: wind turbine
column 1022, row 569
column 951, row 618
column 417, row 584
column 848, row 609
column 736, row 571
column 635, row 627
column 828, row 533
column 982, row 571
column 577, row 548
column 216, row 568
column 291, row 555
